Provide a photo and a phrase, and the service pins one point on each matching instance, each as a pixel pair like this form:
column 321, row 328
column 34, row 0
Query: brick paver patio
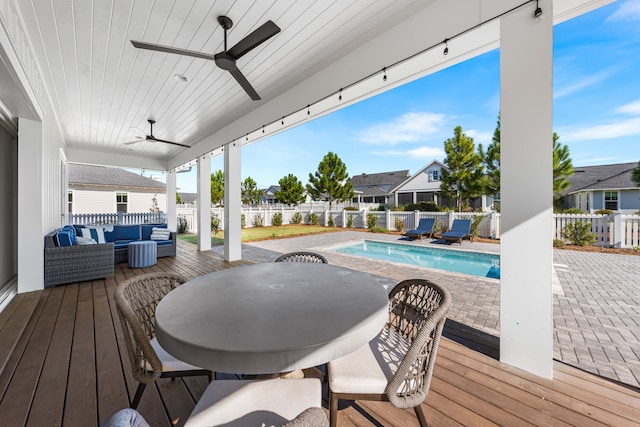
column 596, row 297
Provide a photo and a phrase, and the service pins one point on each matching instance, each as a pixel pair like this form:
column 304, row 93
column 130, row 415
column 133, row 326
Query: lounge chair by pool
column 425, row 228
column 460, row 229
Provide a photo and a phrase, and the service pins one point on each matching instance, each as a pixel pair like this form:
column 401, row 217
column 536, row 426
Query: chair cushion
column 169, row 363
column 255, row 403
column 125, row 232
column 312, row 417
column 368, row 369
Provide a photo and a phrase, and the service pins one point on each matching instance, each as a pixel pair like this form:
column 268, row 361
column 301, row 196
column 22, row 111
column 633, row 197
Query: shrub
column 475, row 224
column 330, row 222
column 424, row 206
column 277, row 219
column 399, row 224
column 381, row 208
column 182, row 225
column 604, row 212
column 579, row 233
column 574, row 211
column 399, row 208
column 215, row 224
column 314, row 219
column 378, row 230
column 350, row 208
column 371, row 220
column 243, row 221
column 349, row 221
column 557, row 243
column 296, row 218
column 257, row 220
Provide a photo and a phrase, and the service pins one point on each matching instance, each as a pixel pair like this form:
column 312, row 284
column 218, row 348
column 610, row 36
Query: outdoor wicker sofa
column 69, row 264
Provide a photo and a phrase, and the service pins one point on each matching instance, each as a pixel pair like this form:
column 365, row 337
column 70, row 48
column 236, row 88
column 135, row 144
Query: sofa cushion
column 147, row 229
column 125, row 232
column 119, row 244
column 95, row 233
column 163, row 242
column 85, row 241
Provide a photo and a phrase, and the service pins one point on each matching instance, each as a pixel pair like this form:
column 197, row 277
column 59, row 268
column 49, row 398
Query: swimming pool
column 474, row 263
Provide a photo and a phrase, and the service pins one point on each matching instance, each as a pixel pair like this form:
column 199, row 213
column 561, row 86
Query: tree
column 331, row 181
column 562, row 169
column 463, row 177
column 178, row 198
column 155, row 208
column 492, row 163
column 250, row 192
column 217, row 187
column 291, row 190
column 635, row 174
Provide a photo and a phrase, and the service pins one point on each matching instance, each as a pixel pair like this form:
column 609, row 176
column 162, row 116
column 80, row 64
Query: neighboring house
column 188, row 198
column 377, row 187
column 100, row 189
column 423, row 186
column 269, row 195
column 604, row 187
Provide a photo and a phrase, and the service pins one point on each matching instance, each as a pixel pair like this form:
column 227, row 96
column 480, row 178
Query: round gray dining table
column 271, row 318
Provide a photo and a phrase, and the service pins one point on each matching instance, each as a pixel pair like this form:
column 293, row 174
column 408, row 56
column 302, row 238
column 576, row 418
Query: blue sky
column 596, row 109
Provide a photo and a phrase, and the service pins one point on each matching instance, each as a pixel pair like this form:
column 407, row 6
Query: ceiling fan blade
column 242, row 80
column 133, row 142
column 258, row 36
column 167, row 142
column 169, row 49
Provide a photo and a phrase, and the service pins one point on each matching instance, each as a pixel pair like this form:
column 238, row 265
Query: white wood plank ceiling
column 103, row 88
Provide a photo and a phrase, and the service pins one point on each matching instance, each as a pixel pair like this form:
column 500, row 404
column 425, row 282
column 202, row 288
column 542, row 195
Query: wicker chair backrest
column 302, row 257
column 136, row 301
column 417, row 310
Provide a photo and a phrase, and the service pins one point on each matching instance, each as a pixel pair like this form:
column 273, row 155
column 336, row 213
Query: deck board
column 63, row 362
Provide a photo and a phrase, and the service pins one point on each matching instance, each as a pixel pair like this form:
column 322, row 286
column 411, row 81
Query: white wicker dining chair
column 397, row 365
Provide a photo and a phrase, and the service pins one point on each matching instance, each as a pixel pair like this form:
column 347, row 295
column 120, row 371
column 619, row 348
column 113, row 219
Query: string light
column 308, row 111
column 445, row 52
column 538, row 12
column 340, row 95
column 384, row 76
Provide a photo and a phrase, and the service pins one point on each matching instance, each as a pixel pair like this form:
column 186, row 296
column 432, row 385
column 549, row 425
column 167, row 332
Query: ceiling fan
column 227, row 58
column 152, row 138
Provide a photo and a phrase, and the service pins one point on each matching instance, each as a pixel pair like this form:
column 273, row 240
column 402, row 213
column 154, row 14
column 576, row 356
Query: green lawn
column 264, row 233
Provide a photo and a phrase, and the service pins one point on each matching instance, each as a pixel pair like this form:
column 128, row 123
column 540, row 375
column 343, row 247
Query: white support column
column 204, row 203
column 172, row 222
column 526, row 101
column 30, row 206
column 232, row 203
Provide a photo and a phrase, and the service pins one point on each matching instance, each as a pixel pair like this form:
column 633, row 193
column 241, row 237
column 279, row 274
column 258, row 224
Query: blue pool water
column 474, row 263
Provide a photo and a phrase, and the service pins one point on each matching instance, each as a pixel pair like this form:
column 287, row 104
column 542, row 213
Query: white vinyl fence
column 618, row 230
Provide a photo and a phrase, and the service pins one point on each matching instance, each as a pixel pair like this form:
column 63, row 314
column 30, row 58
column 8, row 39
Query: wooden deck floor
column 62, row 362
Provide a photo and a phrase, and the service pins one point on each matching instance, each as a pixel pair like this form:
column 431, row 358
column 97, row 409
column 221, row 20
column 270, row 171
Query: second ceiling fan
column 227, row 58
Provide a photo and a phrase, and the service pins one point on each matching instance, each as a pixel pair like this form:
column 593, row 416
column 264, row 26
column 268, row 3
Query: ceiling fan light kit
column 226, row 59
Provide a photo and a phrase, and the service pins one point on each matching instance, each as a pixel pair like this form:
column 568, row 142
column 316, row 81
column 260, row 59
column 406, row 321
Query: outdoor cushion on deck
column 270, row 402
column 425, row 228
column 460, row 229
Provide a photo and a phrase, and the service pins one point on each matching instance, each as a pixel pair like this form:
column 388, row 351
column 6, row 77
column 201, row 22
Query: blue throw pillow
column 63, row 238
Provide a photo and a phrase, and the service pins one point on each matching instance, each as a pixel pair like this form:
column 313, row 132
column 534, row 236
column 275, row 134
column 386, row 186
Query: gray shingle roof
column 378, row 184
column 188, row 198
column 79, row 175
column 602, row 177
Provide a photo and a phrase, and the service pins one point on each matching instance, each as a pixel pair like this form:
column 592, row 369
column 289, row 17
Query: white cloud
column 420, row 152
column 630, row 108
column 479, row 137
column 577, row 85
column 628, row 11
column 426, row 152
column 627, row 127
column 409, row 127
